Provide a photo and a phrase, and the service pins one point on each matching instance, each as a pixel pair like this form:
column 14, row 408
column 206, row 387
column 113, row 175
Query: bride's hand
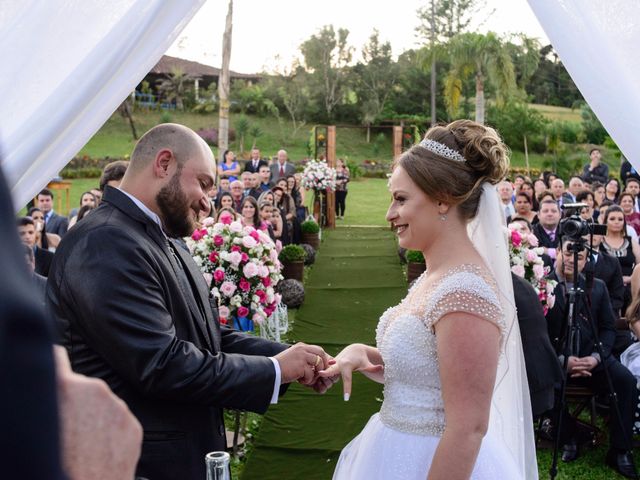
column 353, row 358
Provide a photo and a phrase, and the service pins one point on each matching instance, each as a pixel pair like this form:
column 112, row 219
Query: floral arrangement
column 319, row 176
column 240, row 264
column 524, row 257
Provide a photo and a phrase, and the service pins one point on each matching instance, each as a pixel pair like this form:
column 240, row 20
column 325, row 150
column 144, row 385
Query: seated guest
column 227, row 211
column 559, row 193
column 229, row 167
column 543, row 368
column 598, row 194
column 266, row 196
column 55, row 223
column 44, row 239
column 544, row 195
column 547, row 229
column 589, row 214
column 505, row 191
column 246, row 180
column 113, row 173
column 27, row 233
column 98, row 194
column 225, row 201
column 249, row 213
column 612, row 190
column 631, row 217
column 633, row 187
column 225, row 185
column 237, row 194
column 539, row 186
column 527, row 187
column 524, row 208
column 277, row 224
column 576, row 185
column 265, row 178
column 607, row 268
column 266, row 214
column 585, row 365
column 621, row 246
column 631, row 232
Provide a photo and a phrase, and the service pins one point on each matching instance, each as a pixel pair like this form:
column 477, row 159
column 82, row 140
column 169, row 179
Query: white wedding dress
column 399, row 442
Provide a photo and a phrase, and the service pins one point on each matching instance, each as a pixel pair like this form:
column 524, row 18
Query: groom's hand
column 302, row 362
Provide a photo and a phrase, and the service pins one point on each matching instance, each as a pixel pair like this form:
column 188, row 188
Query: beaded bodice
column 406, row 339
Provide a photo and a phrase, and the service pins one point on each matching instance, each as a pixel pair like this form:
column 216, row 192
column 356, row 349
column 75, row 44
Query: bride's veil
column 510, row 419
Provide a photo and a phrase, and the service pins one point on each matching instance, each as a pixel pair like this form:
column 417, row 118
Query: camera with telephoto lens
column 575, row 227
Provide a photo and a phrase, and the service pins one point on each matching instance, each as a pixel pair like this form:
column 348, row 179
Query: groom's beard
column 175, row 209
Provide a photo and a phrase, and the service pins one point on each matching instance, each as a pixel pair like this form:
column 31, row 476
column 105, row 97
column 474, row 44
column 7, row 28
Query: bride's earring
column 443, row 217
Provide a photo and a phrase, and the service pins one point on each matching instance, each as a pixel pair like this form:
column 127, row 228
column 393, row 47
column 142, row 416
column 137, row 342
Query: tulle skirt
column 380, row 452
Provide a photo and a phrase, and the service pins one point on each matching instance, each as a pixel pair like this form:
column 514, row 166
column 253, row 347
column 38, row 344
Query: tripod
column 571, row 342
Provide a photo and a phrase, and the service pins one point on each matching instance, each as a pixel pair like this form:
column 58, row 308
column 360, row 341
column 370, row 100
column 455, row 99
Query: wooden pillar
column 331, row 161
column 397, row 141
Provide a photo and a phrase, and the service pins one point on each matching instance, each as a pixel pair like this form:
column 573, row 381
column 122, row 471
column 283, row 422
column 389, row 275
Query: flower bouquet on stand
column 524, row 257
column 240, row 264
column 319, row 177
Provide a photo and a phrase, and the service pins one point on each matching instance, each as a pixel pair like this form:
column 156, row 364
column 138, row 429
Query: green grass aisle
column 356, row 277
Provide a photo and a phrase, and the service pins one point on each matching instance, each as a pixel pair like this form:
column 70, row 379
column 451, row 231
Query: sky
column 267, row 33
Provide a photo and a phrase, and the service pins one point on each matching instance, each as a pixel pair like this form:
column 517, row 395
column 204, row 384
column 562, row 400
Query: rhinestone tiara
column 442, row 150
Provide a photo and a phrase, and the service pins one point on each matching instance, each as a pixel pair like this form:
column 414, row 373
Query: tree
column 224, row 85
column 525, row 55
column 486, row 58
column 326, row 56
column 376, row 77
column 175, row 87
column 125, row 109
column 289, row 89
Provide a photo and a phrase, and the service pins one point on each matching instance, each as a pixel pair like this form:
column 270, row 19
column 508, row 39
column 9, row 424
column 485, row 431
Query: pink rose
column 516, row 238
column 207, row 222
column 218, row 275
column 226, row 218
column 223, row 312
column 266, row 281
column 255, row 235
column 538, row 271
column 213, row 257
column 218, row 240
column 262, row 295
column 248, row 241
column 531, row 256
column 244, row 285
column 228, row 289
column 234, row 258
column 244, row 257
column 518, row 270
column 235, row 227
column 257, row 318
column 198, row 234
column 236, row 248
column 243, row 311
column 250, row 269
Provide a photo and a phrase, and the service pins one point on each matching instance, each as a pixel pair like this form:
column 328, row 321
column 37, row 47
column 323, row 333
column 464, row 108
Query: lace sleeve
column 468, row 293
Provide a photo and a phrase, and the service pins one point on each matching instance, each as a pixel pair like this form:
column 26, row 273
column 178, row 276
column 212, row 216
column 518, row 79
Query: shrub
column 292, row 253
column 210, row 135
column 593, row 129
column 309, row 227
column 414, row 256
column 165, row 117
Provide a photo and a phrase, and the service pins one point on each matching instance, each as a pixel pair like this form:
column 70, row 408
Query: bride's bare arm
column 357, row 357
column 468, row 350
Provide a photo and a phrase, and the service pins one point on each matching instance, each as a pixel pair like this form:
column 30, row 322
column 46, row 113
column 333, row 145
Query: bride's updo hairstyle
column 456, row 182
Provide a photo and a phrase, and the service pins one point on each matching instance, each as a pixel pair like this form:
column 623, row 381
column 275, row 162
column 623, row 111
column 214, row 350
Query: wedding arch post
column 331, row 161
column 397, row 141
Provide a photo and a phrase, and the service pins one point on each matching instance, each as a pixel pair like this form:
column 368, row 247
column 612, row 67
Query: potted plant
column 415, row 265
column 292, row 259
column 311, row 233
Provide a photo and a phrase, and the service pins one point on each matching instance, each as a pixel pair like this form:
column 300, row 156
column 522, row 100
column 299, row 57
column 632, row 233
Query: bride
column 456, row 402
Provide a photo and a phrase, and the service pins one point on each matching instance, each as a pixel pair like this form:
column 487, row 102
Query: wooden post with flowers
column 397, row 141
column 331, row 161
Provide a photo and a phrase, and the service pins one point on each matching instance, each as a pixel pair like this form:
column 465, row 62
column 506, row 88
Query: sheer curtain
column 597, row 41
column 67, row 65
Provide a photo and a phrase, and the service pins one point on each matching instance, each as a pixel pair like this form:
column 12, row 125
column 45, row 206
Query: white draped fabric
column 66, row 66
column 597, row 41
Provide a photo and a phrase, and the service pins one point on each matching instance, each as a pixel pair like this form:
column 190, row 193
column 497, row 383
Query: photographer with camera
column 585, row 365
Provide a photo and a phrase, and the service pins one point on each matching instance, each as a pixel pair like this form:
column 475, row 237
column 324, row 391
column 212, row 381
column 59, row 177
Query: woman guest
column 524, row 208
column 229, row 167
column 342, row 178
column 266, row 197
column 618, row 244
column 545, row 195
column 631, row 217
column 612, row 190
column 539, row 186
column 87, row 198
column 590, row 213
column 250, row 213
column 44, row 240
column 277, row 224
column 266, row 215
column 598, row 194
column 287, row 209
column 228, row 212
column 298, row 198
column 527, row 187
column 225, row 200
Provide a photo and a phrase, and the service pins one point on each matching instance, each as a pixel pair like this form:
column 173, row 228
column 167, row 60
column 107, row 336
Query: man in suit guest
column 505, row 191
column 27, row 233
column 546, row 230
column 543, row 368
column 264, row 174
column 55, row 223
column 134, row 309
column 255, row 162
column 576, row 185
column 237, row 193
column 282, row 168
column 586, row 366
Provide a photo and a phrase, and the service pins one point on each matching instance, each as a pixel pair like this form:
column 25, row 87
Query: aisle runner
column 356, row 277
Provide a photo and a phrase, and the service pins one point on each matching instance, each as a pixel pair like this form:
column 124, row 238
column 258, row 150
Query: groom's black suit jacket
column 124, row 317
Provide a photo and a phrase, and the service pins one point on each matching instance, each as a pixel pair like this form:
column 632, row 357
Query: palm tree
column 484, row 56
column 175, row 86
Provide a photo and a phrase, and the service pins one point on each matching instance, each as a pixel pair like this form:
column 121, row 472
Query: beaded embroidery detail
column 406, row 340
